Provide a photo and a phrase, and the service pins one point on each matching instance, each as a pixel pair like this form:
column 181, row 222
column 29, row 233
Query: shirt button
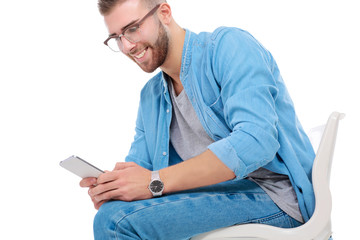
column 167, row 110
column 164, row 153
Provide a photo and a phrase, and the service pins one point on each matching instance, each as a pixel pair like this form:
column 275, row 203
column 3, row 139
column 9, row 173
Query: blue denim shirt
column 241, row 100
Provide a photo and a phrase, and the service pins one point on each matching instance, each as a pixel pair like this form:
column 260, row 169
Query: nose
column 126, row 46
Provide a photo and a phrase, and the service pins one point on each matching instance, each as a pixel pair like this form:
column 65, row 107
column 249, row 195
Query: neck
column 172, row 63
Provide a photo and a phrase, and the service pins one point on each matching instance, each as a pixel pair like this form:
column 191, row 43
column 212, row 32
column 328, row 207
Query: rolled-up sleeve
column 243, row 70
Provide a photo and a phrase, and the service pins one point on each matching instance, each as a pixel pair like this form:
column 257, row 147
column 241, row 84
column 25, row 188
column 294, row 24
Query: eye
column 132, row 29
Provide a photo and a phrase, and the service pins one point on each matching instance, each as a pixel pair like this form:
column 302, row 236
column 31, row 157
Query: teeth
column 141, row 54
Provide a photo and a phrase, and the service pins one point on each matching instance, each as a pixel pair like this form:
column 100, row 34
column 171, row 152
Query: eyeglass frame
column 138, row 24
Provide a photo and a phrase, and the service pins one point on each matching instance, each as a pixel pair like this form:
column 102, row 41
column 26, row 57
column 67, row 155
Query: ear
column 164, row 13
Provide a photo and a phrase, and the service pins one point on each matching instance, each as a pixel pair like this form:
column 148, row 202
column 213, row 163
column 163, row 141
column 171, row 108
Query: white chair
column 319, row 225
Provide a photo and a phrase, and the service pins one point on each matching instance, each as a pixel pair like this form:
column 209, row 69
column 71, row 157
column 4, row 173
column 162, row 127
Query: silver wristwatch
column 156, row 186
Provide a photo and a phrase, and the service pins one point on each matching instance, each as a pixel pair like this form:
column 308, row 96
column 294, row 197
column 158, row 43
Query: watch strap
column 155, row 175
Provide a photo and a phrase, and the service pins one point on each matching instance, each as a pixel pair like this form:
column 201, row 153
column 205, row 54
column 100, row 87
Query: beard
column 159, row 51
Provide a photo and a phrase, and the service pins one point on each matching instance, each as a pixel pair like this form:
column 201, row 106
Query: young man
column 217, row 139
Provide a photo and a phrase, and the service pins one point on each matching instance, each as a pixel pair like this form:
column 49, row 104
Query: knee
column 103, row 224
column 112, row 221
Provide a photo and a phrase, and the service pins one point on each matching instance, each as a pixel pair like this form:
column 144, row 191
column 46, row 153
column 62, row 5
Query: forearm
column 202, row 170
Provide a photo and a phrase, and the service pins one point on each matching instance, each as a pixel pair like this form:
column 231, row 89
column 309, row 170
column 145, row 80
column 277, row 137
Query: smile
column 140, row 55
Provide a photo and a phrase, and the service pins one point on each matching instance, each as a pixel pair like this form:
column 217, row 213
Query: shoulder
column 230, row 43
column 222, row 42
column 234, row 37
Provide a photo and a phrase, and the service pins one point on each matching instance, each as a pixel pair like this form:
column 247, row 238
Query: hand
column 127, row 182
column 91, row 183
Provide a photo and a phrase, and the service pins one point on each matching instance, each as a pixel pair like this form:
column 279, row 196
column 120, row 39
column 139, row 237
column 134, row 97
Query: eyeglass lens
column 132, row 35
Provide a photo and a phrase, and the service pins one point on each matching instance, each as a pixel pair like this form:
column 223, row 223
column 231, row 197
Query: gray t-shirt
column 189, row 139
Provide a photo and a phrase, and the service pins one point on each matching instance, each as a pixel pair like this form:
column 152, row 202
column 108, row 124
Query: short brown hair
column 105, row 6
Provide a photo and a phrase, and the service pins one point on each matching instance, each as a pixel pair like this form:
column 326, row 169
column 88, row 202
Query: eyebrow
column 125, row 27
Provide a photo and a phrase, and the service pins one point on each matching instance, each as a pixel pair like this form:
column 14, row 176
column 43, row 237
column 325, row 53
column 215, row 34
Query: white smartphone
column 80, row 167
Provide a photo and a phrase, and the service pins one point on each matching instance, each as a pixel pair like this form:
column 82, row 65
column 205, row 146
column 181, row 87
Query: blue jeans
column 186, row 214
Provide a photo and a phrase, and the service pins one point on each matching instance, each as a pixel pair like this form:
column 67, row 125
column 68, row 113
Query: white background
column 62, row 92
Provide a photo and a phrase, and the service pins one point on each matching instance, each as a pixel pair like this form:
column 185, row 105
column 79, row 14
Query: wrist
column 170, row 178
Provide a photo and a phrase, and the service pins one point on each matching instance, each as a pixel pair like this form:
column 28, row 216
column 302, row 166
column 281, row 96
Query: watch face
column 156, row 186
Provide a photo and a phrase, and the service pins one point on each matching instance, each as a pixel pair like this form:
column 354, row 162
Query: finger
column 123, row 165
column 102, row 188
column 98, row 204
column 89, row 191
column 107, row 177
column 87, row 182
column 109, row 195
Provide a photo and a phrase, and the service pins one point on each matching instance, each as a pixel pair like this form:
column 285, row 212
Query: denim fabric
column 241, row 100
column 186, row 214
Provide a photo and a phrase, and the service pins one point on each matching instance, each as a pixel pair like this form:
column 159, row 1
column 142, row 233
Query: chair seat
column 266, row 232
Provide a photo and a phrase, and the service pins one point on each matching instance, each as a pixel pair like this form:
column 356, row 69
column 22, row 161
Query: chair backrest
column 322, row 169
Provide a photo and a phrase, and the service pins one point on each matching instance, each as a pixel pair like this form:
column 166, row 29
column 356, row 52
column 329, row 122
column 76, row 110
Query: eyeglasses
column 132, row 33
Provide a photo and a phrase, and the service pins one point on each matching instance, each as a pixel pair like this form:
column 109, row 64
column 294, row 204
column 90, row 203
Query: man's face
column 151, row 51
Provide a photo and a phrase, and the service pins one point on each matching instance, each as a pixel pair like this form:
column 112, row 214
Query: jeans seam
column 271, row 217
column 267, row 218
